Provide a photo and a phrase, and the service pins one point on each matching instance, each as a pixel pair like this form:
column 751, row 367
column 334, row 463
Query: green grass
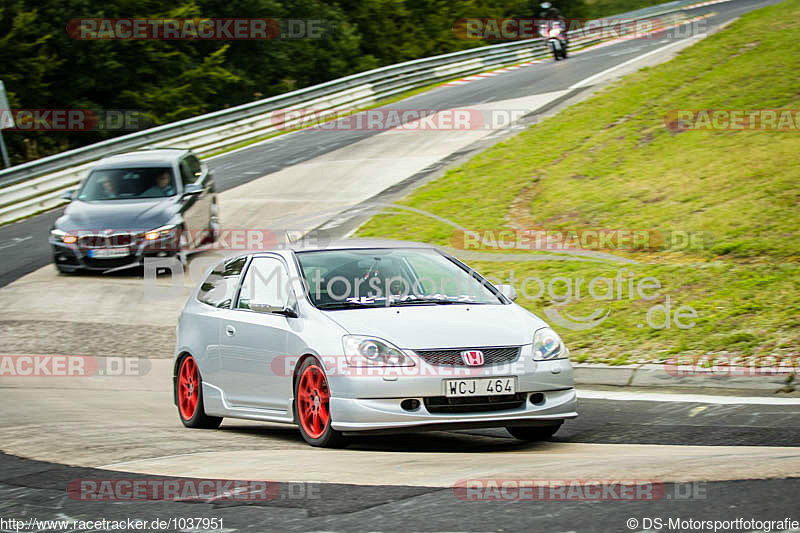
column 610, row 162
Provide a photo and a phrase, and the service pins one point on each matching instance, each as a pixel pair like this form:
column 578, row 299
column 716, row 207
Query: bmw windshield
column 346, row 279
column 128, row 184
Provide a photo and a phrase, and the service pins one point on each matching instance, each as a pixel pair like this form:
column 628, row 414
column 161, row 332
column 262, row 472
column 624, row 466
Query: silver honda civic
column 365, row 337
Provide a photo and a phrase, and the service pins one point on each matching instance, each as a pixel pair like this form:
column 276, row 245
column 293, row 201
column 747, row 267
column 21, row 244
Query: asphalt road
column 31, row 488
column 24, row 244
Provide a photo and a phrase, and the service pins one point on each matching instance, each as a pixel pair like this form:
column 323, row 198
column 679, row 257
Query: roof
column 353, row 244
column 143, row 158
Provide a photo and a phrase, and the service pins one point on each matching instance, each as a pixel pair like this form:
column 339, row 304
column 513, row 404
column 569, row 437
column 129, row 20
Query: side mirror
column 274, row 309
column 192, row 190
column 67, row 195
column 508, row 291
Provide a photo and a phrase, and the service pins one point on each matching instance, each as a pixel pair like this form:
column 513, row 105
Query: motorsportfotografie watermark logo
column 624, row 286
column 577, row 239
column 75, row 119
column 396, row 119
column 71, row 366
column 193, row 29
column 515, row 29
column 679, row 120
column 504, row 489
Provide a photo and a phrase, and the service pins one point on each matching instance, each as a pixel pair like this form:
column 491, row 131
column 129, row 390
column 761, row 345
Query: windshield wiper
column 346, row 305
column 428, row 301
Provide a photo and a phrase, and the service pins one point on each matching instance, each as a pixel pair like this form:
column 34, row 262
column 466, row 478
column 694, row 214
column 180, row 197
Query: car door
column 217, row 292
column 254, row 338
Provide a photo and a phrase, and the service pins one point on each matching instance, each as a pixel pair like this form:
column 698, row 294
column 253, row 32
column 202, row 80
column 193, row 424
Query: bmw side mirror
column 508, row 291
column 67, row 195
column 192, row 190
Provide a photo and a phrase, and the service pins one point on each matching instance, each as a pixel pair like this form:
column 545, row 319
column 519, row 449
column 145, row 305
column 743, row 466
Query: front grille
column 491, row 356
column 474, row 404
column 108, row 263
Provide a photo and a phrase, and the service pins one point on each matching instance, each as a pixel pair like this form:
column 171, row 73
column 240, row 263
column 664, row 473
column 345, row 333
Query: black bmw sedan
column 154, row 203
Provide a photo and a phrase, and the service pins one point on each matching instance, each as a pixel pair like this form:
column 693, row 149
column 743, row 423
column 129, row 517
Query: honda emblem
column 472, row 357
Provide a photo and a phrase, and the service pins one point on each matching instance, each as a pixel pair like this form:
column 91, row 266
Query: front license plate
column 109, row 253
column 480, row 387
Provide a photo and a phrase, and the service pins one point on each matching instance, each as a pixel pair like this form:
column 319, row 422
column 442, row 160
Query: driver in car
column 162, row 186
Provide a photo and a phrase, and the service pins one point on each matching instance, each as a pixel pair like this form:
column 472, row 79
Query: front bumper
column 72, row 257
column 382, row 414
column 366, row 403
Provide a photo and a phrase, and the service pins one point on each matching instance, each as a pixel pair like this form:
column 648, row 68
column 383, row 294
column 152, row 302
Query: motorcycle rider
column 551, row 13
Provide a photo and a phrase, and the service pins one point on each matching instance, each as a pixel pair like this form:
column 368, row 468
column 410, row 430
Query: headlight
column 548, row 345
column 63, row 236
column 370, row 351
column 161, row 233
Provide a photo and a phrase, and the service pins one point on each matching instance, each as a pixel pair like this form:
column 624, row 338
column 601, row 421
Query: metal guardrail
column 37, row 185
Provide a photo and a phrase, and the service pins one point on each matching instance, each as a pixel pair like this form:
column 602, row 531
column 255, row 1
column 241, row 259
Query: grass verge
column 612, row 162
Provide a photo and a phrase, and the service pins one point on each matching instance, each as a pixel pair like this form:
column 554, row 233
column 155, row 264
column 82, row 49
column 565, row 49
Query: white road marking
column 588, row 81
column 684, row 398
column 15, row 241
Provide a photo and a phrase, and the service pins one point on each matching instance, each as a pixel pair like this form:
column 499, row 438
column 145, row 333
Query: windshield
column 339, row 279
column 128, row 183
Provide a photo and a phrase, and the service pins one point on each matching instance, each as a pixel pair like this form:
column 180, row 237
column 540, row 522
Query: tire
column 312, row 407
column 533, row 433
column 63, row 270
column 189, row 396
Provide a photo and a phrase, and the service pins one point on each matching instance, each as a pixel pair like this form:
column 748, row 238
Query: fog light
column 537, row 398
column 410, row 405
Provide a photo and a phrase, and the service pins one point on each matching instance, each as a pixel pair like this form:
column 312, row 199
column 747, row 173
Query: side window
column 265, row 285
column 187, row 177
column 220, row 286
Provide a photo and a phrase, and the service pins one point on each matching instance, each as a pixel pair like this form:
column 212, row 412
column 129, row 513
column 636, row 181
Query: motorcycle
column 555, row 38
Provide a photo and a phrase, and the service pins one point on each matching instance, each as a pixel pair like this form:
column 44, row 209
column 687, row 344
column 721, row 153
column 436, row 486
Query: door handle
column 230, row 331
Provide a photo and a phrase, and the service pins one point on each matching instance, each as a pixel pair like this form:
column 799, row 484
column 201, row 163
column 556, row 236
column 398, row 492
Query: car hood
column 130, row 215
column 442, row 326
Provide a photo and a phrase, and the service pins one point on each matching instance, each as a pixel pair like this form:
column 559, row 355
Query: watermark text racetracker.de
column 679, row 120
column 71, row 366
column 508, row 489
column 514, row 29
column 399, row 120
column 75, row 119
column 191, row 29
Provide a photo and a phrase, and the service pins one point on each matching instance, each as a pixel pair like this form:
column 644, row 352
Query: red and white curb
column 490, row 74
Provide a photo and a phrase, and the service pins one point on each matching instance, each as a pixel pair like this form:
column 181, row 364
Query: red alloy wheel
column 188, row 383
column 313, row 401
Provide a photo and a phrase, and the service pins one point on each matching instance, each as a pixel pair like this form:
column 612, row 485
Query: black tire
column 199, row 418
column 63, row 270
column 329, row 438
column 533, row 433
